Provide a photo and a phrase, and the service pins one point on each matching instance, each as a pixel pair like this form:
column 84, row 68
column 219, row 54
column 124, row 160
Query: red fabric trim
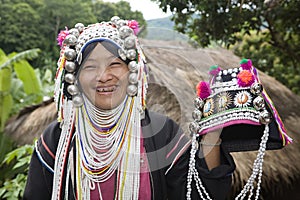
column 47, row 148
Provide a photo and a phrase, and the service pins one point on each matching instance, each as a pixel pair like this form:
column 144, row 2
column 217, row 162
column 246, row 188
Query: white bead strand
column 257, row 169
column 193, row 173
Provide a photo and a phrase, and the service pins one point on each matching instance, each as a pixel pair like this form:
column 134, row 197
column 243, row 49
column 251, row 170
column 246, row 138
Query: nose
column 103, row 75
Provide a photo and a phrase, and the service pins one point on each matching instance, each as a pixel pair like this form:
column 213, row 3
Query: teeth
column 106, row 89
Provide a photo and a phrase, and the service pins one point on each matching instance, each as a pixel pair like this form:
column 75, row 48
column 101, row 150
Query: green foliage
column 14, row 72
column 105, row 10
column 19, row 22
column 275, row 22
column 20, row 85
column 254, row 46
column 17, row 163
column 26, row 74
column 6, row 145
column 27, row 54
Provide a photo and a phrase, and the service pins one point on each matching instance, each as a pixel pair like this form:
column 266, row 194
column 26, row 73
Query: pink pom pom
column 62, row 36
column 246, row 64
column 245, row 78
column 214, row 70
column 134, row 25
column 203, row 89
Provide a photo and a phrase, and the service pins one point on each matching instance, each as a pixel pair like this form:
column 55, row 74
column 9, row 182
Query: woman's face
column 103, row 78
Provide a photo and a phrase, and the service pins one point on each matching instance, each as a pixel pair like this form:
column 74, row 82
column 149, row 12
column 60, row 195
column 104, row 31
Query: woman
column 106, row 144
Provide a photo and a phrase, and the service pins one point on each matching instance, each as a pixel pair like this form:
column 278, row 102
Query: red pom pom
column 203, row 89
column 245, row 78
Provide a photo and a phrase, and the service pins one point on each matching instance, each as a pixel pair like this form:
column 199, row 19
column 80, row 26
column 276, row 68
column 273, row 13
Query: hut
column 175, row 69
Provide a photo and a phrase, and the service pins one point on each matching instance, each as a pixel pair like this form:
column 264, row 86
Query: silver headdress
column 74, row 41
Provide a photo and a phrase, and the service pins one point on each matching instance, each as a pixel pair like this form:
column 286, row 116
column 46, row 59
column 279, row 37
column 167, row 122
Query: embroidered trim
column 177, row 156
column 47, row 148
column 176, row 145
column 41, row 159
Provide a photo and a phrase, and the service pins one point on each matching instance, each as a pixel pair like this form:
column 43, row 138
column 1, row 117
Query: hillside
column 163, row 29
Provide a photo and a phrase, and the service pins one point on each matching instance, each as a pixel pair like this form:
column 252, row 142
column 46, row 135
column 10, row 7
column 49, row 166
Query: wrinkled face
column 104, row 78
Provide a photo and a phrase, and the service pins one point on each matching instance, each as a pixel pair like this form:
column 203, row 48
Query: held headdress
column 235, row 102
column 92, row 129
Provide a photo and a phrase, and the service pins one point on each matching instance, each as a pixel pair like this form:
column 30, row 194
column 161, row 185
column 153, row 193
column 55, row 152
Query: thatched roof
column 175, row 70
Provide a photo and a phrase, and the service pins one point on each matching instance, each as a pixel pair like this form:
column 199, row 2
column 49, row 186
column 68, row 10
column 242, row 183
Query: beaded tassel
column 257, row 169
column 62, row 150
column 193, row 173
column 248, row 188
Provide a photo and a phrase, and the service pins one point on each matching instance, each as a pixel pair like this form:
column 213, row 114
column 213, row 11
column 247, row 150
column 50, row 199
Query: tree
column 60, row 14
column 19, row 27
column 105, row 10
column 265, row 56
column 222, row 21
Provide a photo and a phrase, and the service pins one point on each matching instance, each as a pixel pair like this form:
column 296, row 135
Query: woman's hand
column 210, row 145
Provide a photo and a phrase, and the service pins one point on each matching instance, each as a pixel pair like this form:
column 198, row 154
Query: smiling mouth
column 106, row 89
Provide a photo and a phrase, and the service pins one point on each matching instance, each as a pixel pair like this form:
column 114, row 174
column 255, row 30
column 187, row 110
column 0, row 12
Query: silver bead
column 194, row 127
column 79, row 59
column 70, row 54
column 70, row 66
column 197, row 114
column 73, row 90
column 74, row 31
column 259, row 103
column 256, row 88
column 129, row 42
column 199, row 103
column 77, row 101
column 132, row 90
column 70, row 40
column 114, row 19
column 122, row 54
column 133, row 66
column 121, row 23
column 70, row 78
column 77, row 47
column 79, row 27
column 265, row 117
column 125, row 31
column 133, row 78
column 131, row 54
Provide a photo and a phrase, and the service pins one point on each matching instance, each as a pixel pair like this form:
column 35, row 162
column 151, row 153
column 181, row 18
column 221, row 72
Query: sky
column 149, row 8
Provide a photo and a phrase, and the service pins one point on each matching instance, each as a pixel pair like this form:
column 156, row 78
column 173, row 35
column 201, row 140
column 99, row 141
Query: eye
column 115, row 63
column 89, row 67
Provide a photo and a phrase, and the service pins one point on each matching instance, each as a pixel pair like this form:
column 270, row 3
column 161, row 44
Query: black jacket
column 163, row 142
